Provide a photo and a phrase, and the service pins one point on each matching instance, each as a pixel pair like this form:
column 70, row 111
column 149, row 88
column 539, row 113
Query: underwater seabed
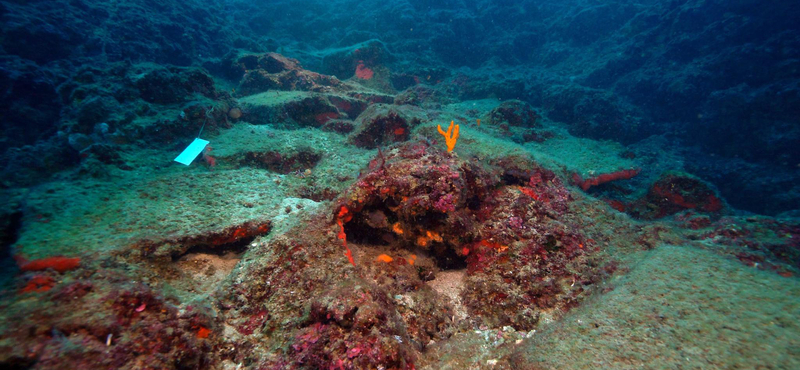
column 328, row 228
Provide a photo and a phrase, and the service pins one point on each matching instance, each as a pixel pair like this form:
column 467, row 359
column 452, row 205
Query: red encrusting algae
column 59, row 263
column 604, row 178
column 39, row 283
column 363, row 72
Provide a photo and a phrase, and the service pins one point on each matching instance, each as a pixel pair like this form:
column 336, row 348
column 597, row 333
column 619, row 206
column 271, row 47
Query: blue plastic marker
column 196, row 147
column 190, row 153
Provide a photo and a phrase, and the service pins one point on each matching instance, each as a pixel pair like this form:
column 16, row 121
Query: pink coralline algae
column 515, row 222
column 445, row 204
column 363, row 72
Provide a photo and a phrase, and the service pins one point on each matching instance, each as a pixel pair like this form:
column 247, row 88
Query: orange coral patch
column 349, row 255
column 203, row 332
column 343, row 216
column 496, row 246
column 384, row 258
column 529, row 192
column 424, row 240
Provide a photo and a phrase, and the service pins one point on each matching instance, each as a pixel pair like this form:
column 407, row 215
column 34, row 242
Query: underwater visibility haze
column 400, row 184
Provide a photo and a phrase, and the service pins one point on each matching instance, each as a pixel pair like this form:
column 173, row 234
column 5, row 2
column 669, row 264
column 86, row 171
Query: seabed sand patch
column 684, row 308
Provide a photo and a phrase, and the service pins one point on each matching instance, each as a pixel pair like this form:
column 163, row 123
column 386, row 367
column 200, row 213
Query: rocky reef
column 334, row 223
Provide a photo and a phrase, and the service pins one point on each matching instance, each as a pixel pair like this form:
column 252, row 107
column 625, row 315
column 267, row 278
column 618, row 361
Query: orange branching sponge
column 450, row 137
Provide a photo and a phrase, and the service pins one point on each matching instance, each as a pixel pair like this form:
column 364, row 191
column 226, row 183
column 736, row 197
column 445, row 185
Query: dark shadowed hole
column 372, row 226
column 284, row 163
column 9, row 236
column 17, row 363
column 514, row 178
column 238, row 248
column 358, row 230
column 474, row 203
column 447, row 259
